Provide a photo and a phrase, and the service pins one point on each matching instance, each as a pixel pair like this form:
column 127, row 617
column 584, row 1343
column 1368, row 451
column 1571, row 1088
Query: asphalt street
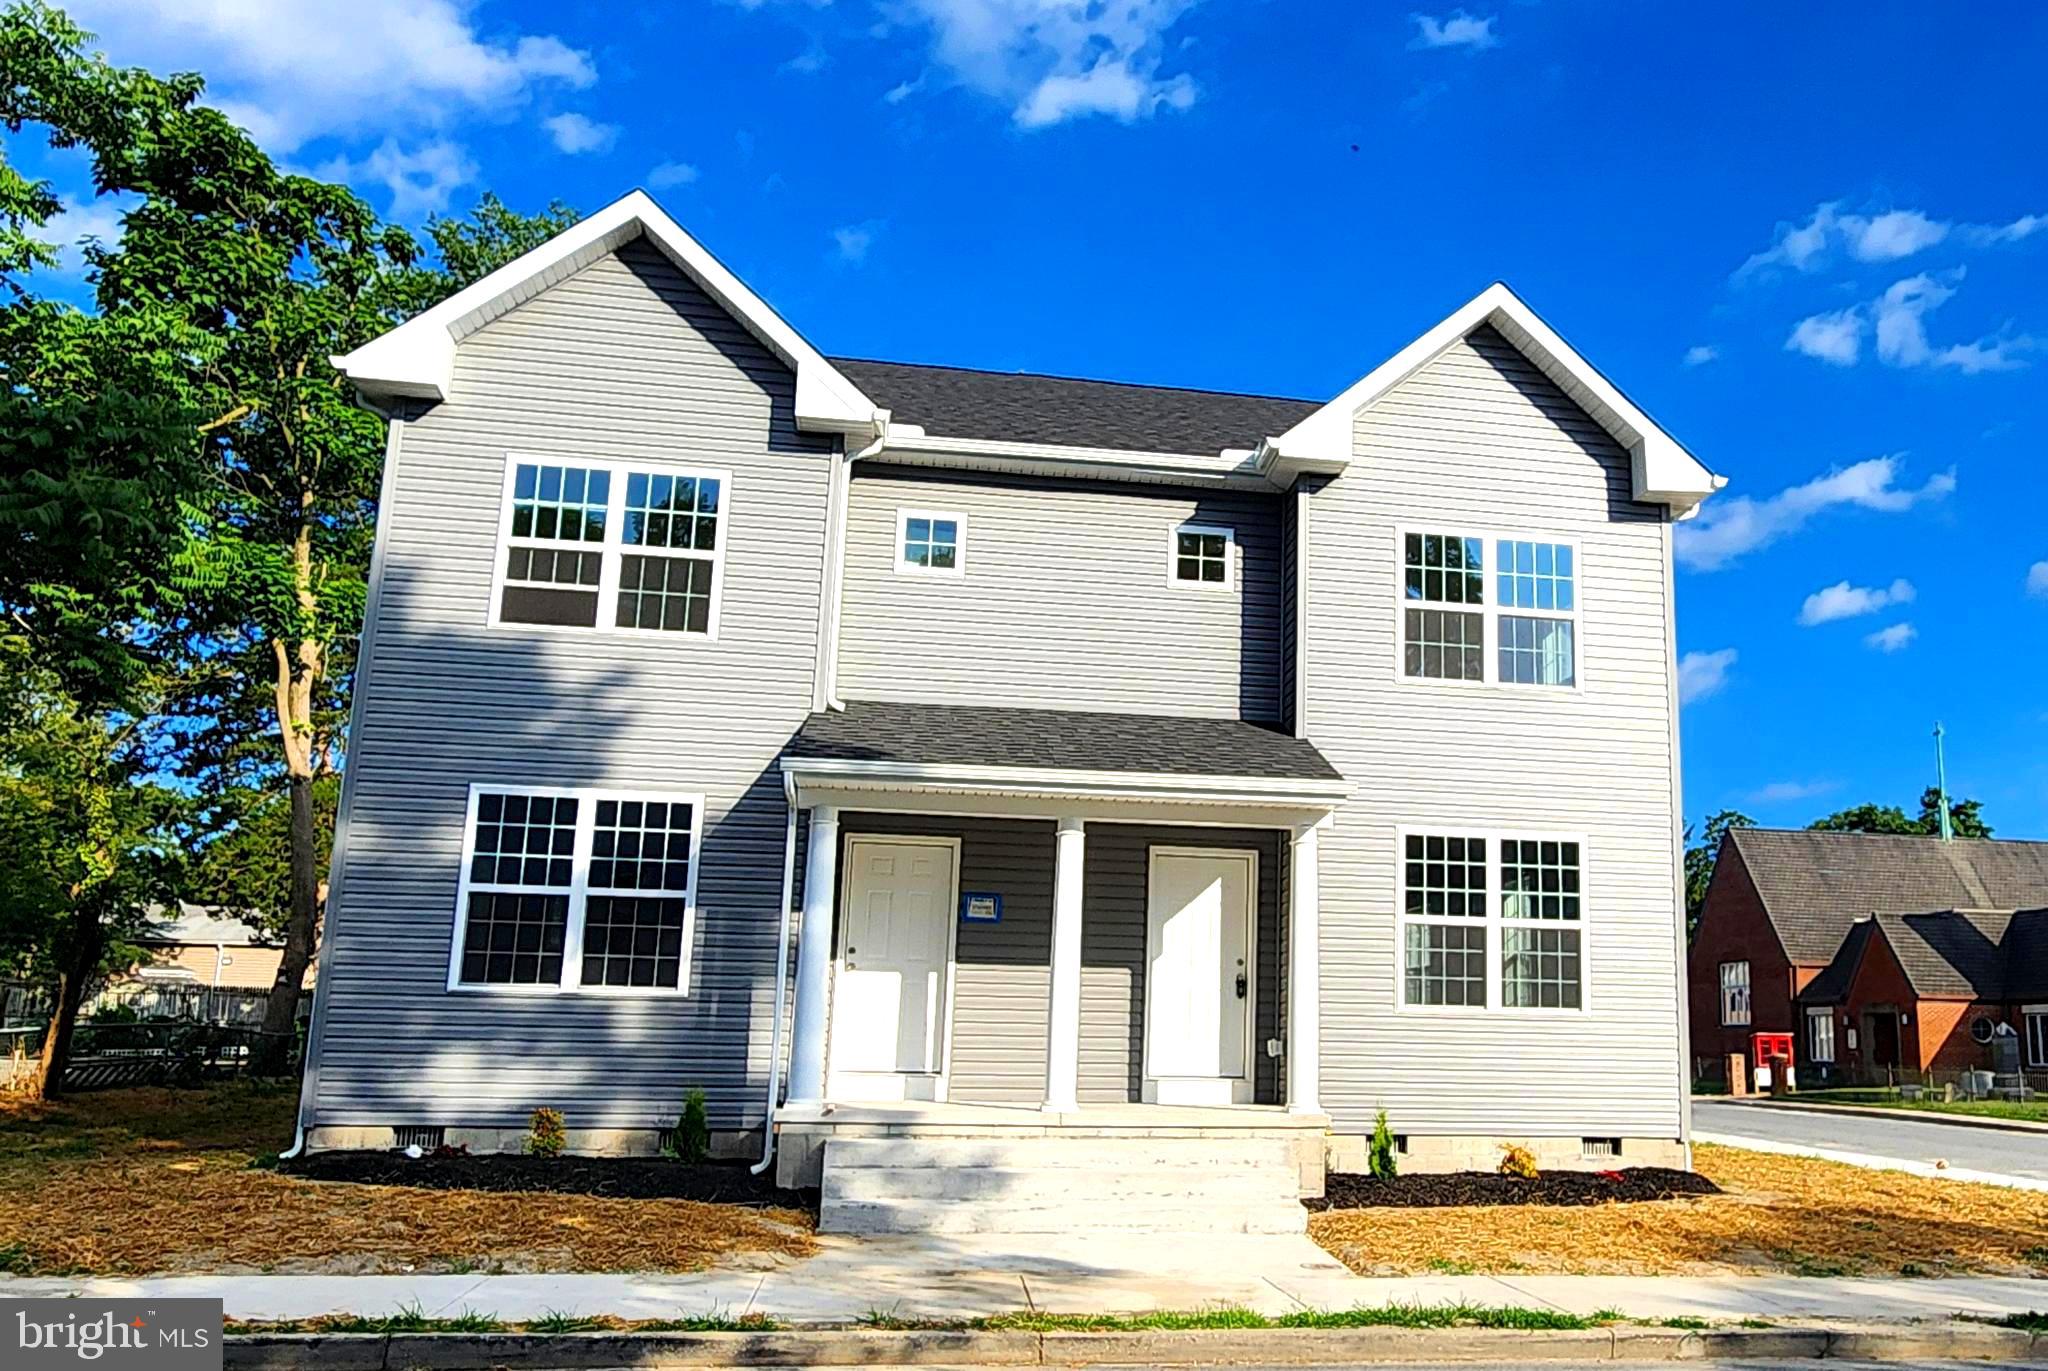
column 1879, row 1135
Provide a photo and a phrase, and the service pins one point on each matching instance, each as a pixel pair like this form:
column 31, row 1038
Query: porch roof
column 1057, row 739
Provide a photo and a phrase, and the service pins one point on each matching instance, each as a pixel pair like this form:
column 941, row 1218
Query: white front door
column 1199, row 976
column 889, row 998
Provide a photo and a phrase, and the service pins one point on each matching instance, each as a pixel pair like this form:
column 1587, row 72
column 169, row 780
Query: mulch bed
column 1347, row 1190
column 628, row 1178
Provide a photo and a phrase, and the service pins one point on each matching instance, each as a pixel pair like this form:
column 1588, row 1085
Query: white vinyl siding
column 1069, row 603
column 1480, row 441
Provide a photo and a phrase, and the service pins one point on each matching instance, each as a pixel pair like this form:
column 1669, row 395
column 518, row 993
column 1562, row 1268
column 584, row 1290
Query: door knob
column 1241, row 985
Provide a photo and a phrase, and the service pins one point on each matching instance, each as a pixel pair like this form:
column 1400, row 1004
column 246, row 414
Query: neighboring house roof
column 1831, row 985
column 1814, row 885
column 1954, row 954
column 198, row 924
column 1059, row 739
column 2026, row 956
column 959, row 402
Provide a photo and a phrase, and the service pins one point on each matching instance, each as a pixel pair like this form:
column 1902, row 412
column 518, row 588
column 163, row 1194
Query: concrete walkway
column 1103, row 1273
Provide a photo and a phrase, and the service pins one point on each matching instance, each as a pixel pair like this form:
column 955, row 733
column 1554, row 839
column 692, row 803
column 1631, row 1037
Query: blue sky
column 1811, row 239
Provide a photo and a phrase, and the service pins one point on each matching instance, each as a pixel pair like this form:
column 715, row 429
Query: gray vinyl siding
column 1065, row 603
column 1480, row 438
column 1002, row 989
column 1290, row 591
column 625, row 360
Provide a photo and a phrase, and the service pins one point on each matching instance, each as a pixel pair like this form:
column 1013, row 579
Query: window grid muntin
column 1434, row 648
column 560, row 502
column 633, row 940
column 1201, row 556
column 524, row 933
column 929, row 541
column 1444, row 876
column 1533, row 575
column 1539, row 879
column 522, row 840
column 664, row 594
column 710, row 510
column 673, row 510
column 1446, row 965
column 683, row 814
column 1552, row 956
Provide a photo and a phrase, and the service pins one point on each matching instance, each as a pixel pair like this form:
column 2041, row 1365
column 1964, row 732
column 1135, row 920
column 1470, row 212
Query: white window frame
column 1748, row 1004
column 2034, row 1030
column 614, row 549
column 1489, row 608
column 587, row 798
column 1495, row 924
column 905, row 567
column 1815, row 1019
column 1229, row 536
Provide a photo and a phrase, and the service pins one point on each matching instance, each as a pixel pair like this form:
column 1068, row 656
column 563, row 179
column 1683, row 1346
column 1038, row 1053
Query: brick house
column 1894, row 941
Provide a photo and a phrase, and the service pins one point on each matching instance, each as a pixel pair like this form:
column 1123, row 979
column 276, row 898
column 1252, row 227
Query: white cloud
column 1900, row 315
column 79, row 220
column 1053, row 60
column 1461, row 30
column 854, row 240
column 810, row 61
column 1844, row 601
column 293, row 72
column 1786, row 792
column 1893, row 639
column 1700, row 355
column 1701, row 674
column 1727, row 529
column 667, row 174
column 2037, row 580
column 419, row 182
column 577, row 133
column 903, row 90
column 1884, row 237
column 1836, row 338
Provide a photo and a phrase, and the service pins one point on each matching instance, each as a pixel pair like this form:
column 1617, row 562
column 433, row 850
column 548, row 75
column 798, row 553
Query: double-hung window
column 1491, row 921
column 1488, row 608
column 2035, row 1017
column 618, row 546
column 1820, row 1036
column 568, row 890
column 1734, row 994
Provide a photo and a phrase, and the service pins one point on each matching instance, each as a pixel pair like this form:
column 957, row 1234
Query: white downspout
column 781, row 980
column 842, row 496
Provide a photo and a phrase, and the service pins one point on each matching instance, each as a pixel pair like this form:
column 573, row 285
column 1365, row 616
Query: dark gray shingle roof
column 1831, row 986
column 1956, row 954
column 986, row 735
column 2026, row 956
column 1814, row 885
column 955, row 402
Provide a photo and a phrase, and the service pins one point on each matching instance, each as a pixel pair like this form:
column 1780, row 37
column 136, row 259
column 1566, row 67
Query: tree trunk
column 72, row 981
column 280, row 1016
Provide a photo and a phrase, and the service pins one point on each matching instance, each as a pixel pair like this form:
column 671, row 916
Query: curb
column 1909, row 1115
column 1245, row 1347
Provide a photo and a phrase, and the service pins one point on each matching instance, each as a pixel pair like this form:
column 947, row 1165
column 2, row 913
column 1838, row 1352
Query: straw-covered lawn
column 151, row 1180
column 1788, row 1214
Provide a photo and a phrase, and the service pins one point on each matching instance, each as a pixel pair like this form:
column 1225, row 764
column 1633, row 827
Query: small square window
column 930, row 543
column 1201, row 555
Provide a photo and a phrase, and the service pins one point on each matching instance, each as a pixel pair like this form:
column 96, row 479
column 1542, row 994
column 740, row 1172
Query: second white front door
column 889, row 1000
column 1199, row 976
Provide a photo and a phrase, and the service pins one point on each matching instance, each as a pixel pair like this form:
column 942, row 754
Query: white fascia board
column 1059, row 783
column 910, row 445
column 417, row 359
column 1663, row 471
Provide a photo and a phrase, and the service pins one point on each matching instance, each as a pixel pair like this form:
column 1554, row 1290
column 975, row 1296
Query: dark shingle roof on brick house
column 1060, row 739
column 1025, row 407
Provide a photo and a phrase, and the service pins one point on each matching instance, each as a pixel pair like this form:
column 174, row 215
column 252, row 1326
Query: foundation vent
column 418, row 1135
column 1599, row 1149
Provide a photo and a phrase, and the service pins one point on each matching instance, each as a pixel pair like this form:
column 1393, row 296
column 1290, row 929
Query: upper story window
column 1524, row 605
column 1201, row 555
column 576, row 890
column 1491, row 921
column 1734, row 993
column 617, row 546
column 930, row 542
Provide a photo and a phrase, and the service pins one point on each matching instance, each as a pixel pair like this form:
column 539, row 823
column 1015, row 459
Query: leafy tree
column 1868, row 818
column 1966, row 818
column 1700, row 858
column 88, row 841
column 472, row 248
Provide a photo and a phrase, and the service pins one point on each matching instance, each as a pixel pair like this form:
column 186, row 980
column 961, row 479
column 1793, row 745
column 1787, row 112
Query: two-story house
column 943, row 768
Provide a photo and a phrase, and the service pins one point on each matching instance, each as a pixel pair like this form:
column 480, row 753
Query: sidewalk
column 966, row 1278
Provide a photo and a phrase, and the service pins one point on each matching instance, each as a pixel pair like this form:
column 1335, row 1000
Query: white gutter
column 781, row 979
column 835, row 771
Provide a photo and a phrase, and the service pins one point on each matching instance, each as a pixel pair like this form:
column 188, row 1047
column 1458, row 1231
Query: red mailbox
column 1770, row 1058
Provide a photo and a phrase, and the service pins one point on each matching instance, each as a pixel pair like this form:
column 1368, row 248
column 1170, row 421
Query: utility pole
column 1948, row 832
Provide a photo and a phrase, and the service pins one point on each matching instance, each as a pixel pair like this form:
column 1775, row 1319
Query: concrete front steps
column 1054, row 1184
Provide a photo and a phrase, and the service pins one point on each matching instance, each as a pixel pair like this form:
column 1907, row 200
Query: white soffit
column 1664, row 472
column 416, row 360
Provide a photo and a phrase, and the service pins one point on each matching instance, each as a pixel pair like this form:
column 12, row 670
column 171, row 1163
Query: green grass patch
column 1685, row 1321
column 1880, row 1098
column 1379, row 1316
column 411, row 1320
column 2035, row 1321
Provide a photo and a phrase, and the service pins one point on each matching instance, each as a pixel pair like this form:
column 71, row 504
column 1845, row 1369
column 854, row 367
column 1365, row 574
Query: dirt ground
column 1787, row 1214
column 144, row 1181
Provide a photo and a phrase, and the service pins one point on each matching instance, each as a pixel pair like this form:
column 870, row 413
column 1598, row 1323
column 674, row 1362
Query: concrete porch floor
column 906, row 1117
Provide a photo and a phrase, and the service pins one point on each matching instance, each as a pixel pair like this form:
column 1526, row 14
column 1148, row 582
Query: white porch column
column 1304, row 977
column 1063, row 1030
column 814, row 958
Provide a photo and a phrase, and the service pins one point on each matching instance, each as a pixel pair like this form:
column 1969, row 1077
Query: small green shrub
column 548, row 1134
column 1381, row 1161
column 691, row 1140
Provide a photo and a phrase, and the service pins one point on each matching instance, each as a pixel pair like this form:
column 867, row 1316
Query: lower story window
column 1734, row 993
column 1540, row 968
column 1492, row 921
column 577, row 889
column 2037, row 1034
column 1820, row 1035
column 1446, row 964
